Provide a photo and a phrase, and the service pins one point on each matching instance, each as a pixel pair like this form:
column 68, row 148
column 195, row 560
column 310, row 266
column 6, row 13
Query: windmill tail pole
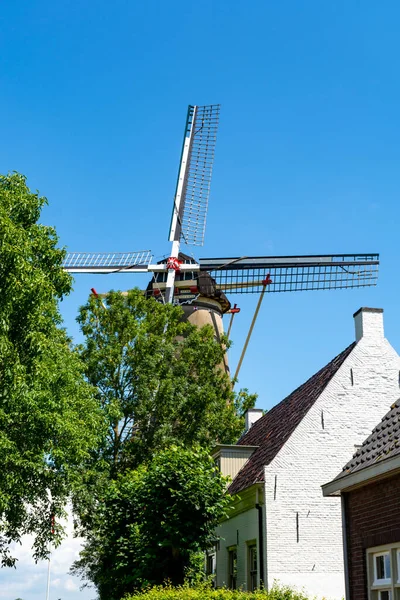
column 233, row 312
column 52, row 524
column 96, row 295
column 266, row 282
column 48, row 580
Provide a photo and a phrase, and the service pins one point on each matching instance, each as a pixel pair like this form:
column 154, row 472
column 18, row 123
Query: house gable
column 304, row 528
column 383, row 443
column 304, row 441
column 378, row 456
column 273, row 430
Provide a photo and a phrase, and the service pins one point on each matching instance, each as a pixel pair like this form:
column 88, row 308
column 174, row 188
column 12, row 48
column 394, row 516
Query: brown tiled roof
column 383, row 443
column 273, row 429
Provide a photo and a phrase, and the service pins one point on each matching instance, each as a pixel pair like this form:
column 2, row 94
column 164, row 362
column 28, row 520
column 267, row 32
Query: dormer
column 231, row 458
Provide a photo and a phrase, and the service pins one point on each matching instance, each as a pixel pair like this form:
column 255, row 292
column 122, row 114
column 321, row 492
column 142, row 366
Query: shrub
column 277, row 592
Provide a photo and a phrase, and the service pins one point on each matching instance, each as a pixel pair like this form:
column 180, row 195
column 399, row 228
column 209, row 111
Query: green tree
column 152, row 520
column 157, row 378
column 160, row 384
column 49, row 417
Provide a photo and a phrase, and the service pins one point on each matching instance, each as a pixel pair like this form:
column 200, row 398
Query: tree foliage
column 157, row 378
column 151, row 497
column 49, row 418
column 151, row 521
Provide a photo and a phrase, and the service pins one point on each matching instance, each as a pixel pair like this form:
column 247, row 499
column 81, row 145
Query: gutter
column 345, row 549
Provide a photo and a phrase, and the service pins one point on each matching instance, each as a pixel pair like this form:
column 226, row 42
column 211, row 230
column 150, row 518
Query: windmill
column 200, row 286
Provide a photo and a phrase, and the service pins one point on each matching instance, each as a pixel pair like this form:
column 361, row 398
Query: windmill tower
column 200, row 286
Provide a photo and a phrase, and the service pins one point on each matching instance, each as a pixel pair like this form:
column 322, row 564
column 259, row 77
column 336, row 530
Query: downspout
column 260, row 538
column 265, row 549
column 345, row 551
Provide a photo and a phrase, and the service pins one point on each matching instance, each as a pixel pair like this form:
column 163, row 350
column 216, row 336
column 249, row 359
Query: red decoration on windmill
column 174, row 263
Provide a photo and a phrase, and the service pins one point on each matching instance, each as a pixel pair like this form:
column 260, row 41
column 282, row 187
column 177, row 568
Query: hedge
column 205, row 593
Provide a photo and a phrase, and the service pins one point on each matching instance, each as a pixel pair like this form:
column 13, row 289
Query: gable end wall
column 304, row 531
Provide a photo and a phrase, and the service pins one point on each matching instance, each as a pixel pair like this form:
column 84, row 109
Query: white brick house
column 281, row 527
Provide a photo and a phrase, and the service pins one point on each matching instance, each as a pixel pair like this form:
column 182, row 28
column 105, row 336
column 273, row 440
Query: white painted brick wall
column 369, row 323
column 313, row 456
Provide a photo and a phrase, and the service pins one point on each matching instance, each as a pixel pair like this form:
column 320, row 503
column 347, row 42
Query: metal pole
column 48, row 577
column 230, row 323
column 266, row 282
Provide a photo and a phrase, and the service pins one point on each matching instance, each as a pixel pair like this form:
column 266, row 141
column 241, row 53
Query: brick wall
column 372, row 519
column 304, row 529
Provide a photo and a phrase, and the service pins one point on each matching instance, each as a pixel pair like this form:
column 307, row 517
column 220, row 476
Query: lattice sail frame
column 107, row 262
column 189, row 213
column 293, row 273
column 244, row 275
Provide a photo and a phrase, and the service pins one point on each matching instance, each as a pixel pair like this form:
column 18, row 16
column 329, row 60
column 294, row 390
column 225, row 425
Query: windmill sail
column 107, row 262
column 247, row 275
column 292, row 273
column 194, row 179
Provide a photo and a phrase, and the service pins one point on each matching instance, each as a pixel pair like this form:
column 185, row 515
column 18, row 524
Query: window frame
column 211, row 565
column 398, row 564
column 252, row 574
column 388, row 584
column 389, row 592
column 232, row 567
column 385, row 580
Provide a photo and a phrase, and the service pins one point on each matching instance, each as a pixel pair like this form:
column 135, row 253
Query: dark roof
column 383, row 443
column 273, row 429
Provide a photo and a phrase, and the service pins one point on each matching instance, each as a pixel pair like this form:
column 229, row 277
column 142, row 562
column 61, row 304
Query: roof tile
column 388, row 446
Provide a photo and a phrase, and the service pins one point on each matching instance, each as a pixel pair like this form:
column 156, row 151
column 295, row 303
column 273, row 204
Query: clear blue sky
column 93, row 102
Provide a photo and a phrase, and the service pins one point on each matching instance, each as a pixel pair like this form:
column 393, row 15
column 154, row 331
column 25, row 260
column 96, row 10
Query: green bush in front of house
column 204, row 592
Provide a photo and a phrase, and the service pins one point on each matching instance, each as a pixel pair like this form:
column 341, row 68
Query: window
column 232, row 568
column 383, row 564
column 252, row 562
column 398, row 565
column 210, row 564
column 210, row 567
column 382, row 568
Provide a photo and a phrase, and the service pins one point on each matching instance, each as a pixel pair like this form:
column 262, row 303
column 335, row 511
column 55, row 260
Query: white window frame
column 252, row 575
column 380, row 592
column 385, row 580
column 232, row 567
column 211, row 560
column 377, row 586
column 398, row 564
